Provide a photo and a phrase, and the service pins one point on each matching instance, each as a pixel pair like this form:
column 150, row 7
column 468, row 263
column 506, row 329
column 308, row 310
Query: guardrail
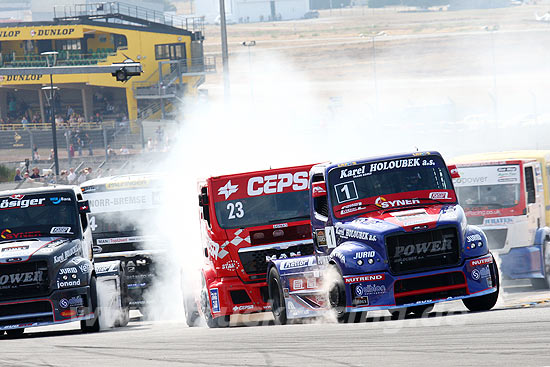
column 48, row 126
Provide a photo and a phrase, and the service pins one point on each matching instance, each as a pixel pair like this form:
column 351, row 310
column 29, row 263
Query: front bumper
column 60, row 306
column 384, row 291
column 229, row 296
column 522, row 263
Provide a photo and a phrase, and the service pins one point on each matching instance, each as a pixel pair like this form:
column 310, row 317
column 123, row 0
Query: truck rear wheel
column 544, row 283
column 488, row 301
column 276, row 297
column 92, row 325
column 124, row 315
column 191, row 312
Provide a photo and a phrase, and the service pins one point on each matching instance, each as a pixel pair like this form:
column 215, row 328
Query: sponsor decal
column 473, row 237
column 215, row 300
column 15, row 248
column 242, row 308
column 273, row 184
column 231, row 265
column 69, row 283
column 369, row 289
column 71, row 270
column 424, row 248
column 365, row 278
column 21, row 203
column 353, row 172
column 10, row 34
column 360, row 301
column 7, row 234
column 97, row 249
column 400, row 163
column 319, row 190
column 477, row 262
column 475, row 274
column 498, row 221
column 76, row 301
column 126, row 184
column 117, row 240
column 17, row 196
column 311, row 283
column 57, row 200
column 282, row 256
column 66, row 255
column 14, row 259
column 280, row 225
column 51, row 32
column 10, row 280
column 350, row 208
column 352, row 233
column 339, row 256
column 297, row 263
column 228, row 189
column 297, row 284
column 84, row 268
column 61, row 230
column 381, row 202
column 364, row 255
column 439, row 195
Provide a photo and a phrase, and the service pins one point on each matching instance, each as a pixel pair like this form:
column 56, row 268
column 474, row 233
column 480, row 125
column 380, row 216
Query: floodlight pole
column 51, row 63
column 225, row 52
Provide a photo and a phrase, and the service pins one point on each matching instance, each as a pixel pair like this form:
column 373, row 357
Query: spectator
column 110, row 151
column 71, row 151
column 79, row 145
column 18, row 175
column 98, row 118
column 150, row 144
column 88, row 142
column 124, row 150
column 71, row 177
column 25, row 122
column 35, row 119
column 35, row 173
column 82, row 176
column 63, row 177
column 26, row 177
column 52, row 155
column 35, row 155
column 70, row 112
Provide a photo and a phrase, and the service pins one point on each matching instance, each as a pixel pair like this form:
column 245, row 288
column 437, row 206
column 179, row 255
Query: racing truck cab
column 248, row 219
column 507, row 195
column 122, row 212
column 388, row 234
column 47, row 271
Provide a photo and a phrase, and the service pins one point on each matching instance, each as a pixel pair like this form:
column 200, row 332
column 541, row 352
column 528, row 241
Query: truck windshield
column 127, row 222
column 388, row 184
column 489, row 186
column 263, row 210
column 36, row 215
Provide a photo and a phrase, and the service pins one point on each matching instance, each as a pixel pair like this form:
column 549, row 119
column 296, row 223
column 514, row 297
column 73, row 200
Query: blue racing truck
column 388, row 234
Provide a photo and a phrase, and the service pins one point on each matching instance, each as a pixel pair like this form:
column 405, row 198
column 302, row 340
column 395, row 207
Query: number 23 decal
column 235, row 210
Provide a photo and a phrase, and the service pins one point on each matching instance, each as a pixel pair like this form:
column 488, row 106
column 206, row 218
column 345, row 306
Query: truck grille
column 22, row 280
column 255, row 261
column 411, row 252
column 26, row 312
column 430, row 288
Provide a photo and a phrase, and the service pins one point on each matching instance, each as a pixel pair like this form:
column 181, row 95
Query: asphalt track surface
column 515, row 333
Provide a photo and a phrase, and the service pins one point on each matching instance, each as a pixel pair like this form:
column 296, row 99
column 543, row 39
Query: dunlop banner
column 40, row 33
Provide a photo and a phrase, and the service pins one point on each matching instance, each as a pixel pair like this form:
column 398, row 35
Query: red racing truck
column 248, row 219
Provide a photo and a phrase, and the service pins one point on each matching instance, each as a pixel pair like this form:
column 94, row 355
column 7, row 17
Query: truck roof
column 504, row 156
column 382, row 158
column 39, row 190
column 120, row 179
column 256, row 173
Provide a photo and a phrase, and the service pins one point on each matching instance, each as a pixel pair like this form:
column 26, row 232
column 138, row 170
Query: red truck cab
column 248, row 219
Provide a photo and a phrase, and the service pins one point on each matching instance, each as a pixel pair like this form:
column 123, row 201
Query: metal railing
column 66, row 58
column 118, row 9
column 48, row 126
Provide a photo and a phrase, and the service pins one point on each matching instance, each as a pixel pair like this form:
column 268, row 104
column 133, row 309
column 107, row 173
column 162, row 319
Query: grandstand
column 169, row 48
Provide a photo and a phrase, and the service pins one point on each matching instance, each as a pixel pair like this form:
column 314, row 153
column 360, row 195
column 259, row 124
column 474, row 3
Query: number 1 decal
column 346, row 191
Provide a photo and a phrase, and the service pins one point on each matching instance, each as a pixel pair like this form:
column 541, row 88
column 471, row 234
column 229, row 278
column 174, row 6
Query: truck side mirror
column 453, row 170
column 83, row 207
column 204, row 204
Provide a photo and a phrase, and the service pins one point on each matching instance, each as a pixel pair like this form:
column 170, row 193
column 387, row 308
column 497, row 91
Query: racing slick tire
column 211, row 322
column 544, row 283
column 276, row 297
column 15, row 333
column 191, row 312
column 92, row 325
column 124, row 315
column 337, row 298
column 488, row 301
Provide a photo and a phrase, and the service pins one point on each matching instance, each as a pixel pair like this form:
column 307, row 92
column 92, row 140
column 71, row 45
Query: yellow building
column 168, row 47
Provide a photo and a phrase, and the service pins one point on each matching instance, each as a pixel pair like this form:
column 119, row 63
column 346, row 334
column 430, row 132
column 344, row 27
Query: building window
column 171, row 51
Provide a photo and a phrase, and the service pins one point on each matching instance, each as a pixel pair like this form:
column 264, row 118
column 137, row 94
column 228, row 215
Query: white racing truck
column 507, row 194
column 47, row 270
column 122, row 211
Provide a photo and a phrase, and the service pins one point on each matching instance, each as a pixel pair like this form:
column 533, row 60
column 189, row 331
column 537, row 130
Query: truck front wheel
column 276, row 297
column 488, row 301
column 92, row 325
column 337, row 298
column 211, row 322
column 544, row 283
